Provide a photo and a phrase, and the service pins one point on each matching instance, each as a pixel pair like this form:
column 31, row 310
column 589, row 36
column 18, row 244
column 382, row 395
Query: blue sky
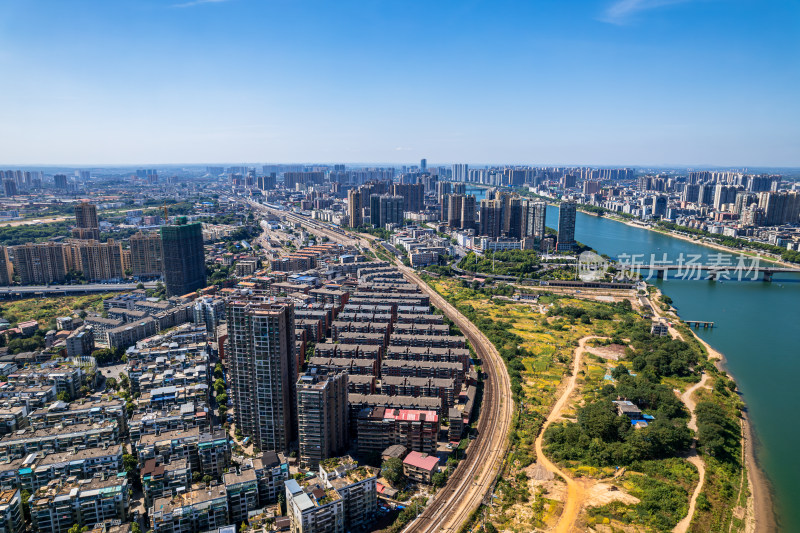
column 604, row 82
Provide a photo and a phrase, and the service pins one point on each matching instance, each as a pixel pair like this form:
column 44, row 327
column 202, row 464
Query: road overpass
column 35, row 291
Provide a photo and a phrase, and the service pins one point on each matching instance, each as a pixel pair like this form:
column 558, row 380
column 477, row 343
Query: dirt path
column 575, row 489
column 693, row 458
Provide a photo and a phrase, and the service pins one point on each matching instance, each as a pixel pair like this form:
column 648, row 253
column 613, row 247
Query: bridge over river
column 711, row 272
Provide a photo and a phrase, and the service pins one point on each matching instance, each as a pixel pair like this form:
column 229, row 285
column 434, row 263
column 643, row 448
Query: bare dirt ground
column 580, row 491
column 612, row 352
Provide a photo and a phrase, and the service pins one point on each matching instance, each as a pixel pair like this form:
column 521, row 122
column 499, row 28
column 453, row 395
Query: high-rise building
column 779, row 207
column 183, row 256
column 423, row 165
column 385, row 209
column 490, row 218
column 743, row 199
column 6, row 268
column 9, row 187
column 413, row 195
column 591, row 187
column 292, row 179
column 354, row 199
column 60, row 181
column 460, row 172
column 260, row 350
column 322, row 416
column 535, row 219
column 691, row 193
column 98, row 261
column 468, row 212
column 40, row 264
column 454, row 203
column 443, row 188
column 146, row 255
column 514, row 220
column 86, row 223
column 660, row 205
column 567, row 213
column 724, row 194
column 705, row 194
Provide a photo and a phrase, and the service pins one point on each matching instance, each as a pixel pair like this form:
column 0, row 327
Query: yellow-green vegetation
column 537, row 340
column 656, row 473
column 537, row 349
column 46, row 310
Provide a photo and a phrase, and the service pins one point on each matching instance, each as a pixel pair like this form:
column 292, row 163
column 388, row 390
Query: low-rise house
column 420, row 466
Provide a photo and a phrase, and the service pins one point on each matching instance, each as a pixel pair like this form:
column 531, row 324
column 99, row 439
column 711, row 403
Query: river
column 757, row 328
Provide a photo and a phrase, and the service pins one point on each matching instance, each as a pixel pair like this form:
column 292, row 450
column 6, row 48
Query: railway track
column 472, row 481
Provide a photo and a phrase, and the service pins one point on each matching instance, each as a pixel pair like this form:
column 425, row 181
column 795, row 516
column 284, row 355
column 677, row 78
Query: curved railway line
column 474, row 477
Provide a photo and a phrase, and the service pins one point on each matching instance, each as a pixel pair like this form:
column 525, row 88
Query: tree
column 104, row 355
column 63, row 396
column 439, row 479
column 111, row 384
column 713, row 428
column 131, row 466
column 282, row 503
column 26, row 508
column 392, row 470
column 77, row 528
column 222, row 399
column 207, row 479
column 196, row 476
column 599, row 419
column 135, row 528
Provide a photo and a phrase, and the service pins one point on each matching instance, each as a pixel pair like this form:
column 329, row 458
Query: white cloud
column 193, row 3
column 621, row 11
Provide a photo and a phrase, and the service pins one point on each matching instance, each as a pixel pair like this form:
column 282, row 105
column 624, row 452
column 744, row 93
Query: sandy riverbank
column 760, row 504
column 760, row 513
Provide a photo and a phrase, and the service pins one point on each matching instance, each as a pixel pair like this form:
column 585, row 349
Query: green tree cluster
column 601, row 437
column 392, row 470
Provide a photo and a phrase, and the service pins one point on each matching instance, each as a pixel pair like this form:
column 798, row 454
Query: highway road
column 36, row 290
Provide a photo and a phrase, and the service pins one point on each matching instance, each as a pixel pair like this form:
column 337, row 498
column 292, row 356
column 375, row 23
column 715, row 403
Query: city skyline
column 642, row 83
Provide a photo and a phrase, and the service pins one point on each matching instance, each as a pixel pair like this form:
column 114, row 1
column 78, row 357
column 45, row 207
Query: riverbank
column 760, row 506
column 701, row 242
column 760, row 513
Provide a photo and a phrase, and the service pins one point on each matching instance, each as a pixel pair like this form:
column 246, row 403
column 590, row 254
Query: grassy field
column 538, row 350
column 46, row 310
column 537, row 342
